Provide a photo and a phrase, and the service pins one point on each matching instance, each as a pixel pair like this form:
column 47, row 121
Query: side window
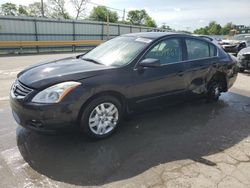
column 212, row 50
column 197, row 49
column 167, row 51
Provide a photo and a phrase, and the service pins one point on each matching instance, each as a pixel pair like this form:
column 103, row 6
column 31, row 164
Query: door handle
column 180, row 73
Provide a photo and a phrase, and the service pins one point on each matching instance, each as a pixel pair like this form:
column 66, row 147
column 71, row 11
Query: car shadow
column 185, row 131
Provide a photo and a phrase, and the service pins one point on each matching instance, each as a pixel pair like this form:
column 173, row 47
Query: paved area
column 194, row 144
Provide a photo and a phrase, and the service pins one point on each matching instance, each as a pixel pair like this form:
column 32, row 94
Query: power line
column 107, row 6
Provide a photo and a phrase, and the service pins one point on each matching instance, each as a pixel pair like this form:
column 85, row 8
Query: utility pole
column 123, row 16
column 42, row 8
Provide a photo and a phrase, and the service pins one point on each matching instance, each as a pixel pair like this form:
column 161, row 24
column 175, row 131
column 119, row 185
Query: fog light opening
column 36, row 123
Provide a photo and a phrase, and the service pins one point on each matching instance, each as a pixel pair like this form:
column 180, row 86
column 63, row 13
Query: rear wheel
column 214, row 90
column 242, row 70
column 101, row 117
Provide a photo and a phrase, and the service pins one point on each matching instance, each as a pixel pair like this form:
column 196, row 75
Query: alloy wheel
column 103, row 118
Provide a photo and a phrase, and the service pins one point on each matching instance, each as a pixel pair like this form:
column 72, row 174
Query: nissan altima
column 94, row 90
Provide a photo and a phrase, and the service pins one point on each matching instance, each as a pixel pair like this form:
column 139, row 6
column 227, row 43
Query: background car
column 232, row 46
column 244, row 59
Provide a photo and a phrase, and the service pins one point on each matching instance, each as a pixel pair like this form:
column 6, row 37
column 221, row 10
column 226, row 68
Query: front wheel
column 101, row 117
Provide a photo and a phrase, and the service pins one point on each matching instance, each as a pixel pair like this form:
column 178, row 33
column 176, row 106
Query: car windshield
column 118, row 51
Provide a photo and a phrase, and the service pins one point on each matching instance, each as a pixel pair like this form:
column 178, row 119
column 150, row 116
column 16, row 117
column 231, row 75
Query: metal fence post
column 119, row 30
column 36, row 35
column 74, row 35
column 102, row 31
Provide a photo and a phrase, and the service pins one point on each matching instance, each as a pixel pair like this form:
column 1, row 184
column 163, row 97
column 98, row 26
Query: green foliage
column 150, row 22
column 35, row 9
column 226, row 29
column 164, row 26
column 214, row 29
column 140, row 17
column 100, row 13
column 56, row 9
column 137, row 17
column 9, row 9
column 23, row 11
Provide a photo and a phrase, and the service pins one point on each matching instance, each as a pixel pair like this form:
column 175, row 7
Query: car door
column 154, row 82
column 200, row 58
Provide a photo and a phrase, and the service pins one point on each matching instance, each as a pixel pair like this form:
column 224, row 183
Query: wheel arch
column 219, row 76
column 119, row 96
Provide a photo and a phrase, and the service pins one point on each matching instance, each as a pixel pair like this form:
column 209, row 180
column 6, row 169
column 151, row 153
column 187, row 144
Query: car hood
column 68, row 69
column 230, row 41
column 244, row 51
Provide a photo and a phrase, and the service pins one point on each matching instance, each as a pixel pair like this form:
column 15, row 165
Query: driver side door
column 165, row 80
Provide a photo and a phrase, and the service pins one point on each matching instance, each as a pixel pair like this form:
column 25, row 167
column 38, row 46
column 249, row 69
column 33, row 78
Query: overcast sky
column 179, row 14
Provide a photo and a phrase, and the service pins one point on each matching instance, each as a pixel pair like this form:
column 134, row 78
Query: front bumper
column 244, row 63
column 44, row 117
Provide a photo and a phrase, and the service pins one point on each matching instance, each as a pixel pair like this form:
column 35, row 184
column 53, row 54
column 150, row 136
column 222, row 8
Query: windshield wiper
column 92, row 60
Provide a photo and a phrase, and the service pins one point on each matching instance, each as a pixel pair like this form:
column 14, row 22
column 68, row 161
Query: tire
column 241, row 70
column 101, row 117
column 214, row 90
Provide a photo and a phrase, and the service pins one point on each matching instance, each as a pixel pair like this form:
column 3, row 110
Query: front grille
column 246, row 56
column 20, row 91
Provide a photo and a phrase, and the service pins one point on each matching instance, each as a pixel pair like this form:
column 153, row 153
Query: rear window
column 212, row 50
column 197, row 49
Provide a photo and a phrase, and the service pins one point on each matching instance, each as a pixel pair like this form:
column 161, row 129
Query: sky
column 178, row 14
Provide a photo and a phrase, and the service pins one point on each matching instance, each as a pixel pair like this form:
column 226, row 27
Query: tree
column 58, row 8
column 100, row 13
column 140, row 17
column 35, row 10
column 166, row 27
column 214, row 28
column 137, row 17
column 80, row 6
column 9, row 9
column 201, row 31
column 227, row 28
column 163, row 26
column 150, row 22
column 23, row 11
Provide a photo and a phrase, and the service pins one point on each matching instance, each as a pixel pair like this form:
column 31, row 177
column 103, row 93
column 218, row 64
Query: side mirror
column 150, row 62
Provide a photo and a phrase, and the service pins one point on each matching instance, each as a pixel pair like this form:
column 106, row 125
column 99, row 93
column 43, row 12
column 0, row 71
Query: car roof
column 152, row 35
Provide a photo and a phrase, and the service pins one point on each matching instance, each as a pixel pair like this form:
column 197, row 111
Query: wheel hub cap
column 103, row 118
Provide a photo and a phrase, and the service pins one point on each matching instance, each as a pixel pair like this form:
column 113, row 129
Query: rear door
column 200, row 58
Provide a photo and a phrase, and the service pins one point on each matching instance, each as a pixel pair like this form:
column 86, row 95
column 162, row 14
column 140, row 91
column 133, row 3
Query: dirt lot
column 194, row 144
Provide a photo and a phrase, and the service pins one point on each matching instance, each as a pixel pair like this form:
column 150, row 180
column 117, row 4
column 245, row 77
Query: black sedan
column 93, row 91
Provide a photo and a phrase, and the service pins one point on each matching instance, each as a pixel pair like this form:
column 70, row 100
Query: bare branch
column 80, row 6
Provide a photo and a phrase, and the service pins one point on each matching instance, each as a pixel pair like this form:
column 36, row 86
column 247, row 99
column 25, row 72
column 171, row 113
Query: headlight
column 55, row 93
